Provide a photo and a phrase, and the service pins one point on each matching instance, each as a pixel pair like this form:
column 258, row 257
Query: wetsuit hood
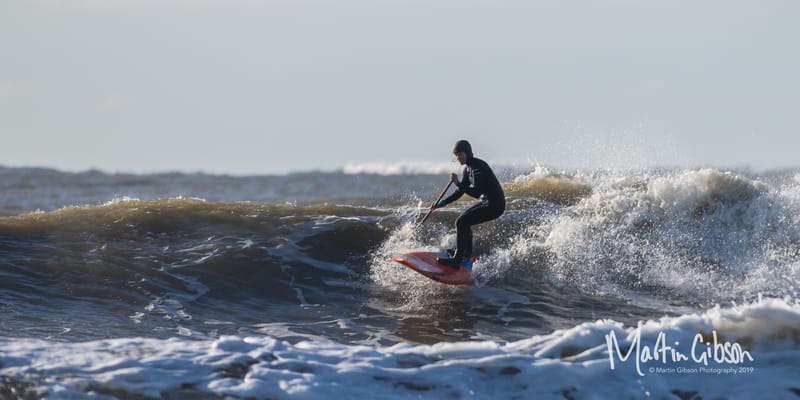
column 463, row 146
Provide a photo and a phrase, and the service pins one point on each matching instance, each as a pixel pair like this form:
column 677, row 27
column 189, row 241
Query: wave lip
column 555, row 189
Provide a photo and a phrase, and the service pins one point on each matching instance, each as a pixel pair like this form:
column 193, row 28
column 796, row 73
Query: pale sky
column 271, row 86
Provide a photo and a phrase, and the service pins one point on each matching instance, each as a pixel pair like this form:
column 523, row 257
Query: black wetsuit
column 478, row 181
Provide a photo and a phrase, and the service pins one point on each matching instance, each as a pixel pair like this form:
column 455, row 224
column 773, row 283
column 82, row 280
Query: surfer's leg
column 463, row 241
column 468, row 249
column 477, row 214
column 471, row 216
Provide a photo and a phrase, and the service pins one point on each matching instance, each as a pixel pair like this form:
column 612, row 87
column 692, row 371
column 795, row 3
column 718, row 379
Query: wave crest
column 400, row 168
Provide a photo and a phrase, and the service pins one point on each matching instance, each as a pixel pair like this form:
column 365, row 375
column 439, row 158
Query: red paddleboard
column 425, row 263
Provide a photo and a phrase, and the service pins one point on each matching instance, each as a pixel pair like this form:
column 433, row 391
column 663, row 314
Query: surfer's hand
column 454, row 177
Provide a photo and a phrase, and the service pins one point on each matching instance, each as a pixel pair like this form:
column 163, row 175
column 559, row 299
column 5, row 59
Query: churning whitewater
column 650, row 283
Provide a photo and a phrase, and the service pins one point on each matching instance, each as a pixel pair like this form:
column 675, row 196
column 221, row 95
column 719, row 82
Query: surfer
column 479, row 182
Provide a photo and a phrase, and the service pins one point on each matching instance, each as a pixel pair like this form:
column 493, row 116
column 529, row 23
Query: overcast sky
column 270, row 86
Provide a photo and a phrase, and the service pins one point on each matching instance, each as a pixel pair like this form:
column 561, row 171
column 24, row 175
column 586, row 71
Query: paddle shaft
column 435, row 202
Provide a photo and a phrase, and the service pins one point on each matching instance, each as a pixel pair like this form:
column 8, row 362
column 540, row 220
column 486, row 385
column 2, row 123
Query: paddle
column 434, row 203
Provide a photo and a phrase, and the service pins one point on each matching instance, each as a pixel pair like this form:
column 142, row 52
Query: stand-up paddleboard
column 425, row 263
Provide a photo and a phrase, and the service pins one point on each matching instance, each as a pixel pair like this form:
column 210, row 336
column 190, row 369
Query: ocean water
column 595, row 284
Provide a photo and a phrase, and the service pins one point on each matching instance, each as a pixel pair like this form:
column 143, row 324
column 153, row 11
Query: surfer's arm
column 462, row 186
column 453, row 197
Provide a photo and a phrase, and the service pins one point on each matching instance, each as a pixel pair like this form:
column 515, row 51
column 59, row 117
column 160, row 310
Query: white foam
column 705, row 234
column 571, row 363
column 120, row 200
column 400, row 168
column 539, row 171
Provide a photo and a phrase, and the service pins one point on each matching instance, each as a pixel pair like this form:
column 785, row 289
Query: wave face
column 182, row 266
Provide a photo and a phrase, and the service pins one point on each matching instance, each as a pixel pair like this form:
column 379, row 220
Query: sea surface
column 595, row 284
